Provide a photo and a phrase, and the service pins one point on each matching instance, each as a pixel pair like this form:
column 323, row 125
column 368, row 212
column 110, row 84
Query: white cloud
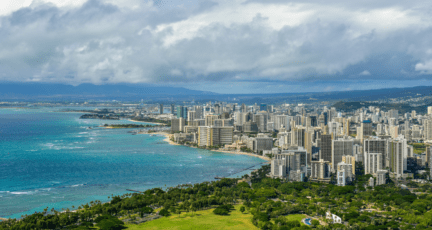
column 365, row 73
column 139, row 41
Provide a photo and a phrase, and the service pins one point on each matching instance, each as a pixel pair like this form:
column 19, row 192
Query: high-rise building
column 380, row 129
column 263, row 143
column 346, row 126
column 365, row 129
column 429, row 110
column 398, row 157
column 373, row 162
column 333, row 128
column 282, row 121
column 278, row 168
column 223, row 122
column 217, row 109
column 214, row 136
column 308, row 144
column 250, row 127
column 180, row 111
column 350, row 160
column 298, row 137
column 381, row 177
column 313, row 121
column 320, row 170
column 325, row 118
column 293, row 161
column 393, row 113
column 261, row 120
column 177, row 124
column 209, row 119
column 199, row 112
column 428, row 156
column 197, row 122
column 243, row 108
column 270, row 108
column 340, row 148
column 221, row 135
column 191, row 116
column 427, row 127
column 376, row 145
column 172, row 108
column 161, row 109
column 394, row 131
column 325, row 145
column 203, row 135
column 185, row 112
column 344, row 173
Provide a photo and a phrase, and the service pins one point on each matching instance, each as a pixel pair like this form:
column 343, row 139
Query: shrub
column 223, row 209
column 220, row 211
column 164, row 212
column 110, row 223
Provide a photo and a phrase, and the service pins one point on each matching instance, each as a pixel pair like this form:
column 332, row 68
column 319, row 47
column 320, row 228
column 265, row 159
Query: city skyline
column 218, row 46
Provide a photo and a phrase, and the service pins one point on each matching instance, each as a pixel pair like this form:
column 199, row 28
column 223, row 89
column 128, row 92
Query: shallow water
column 51, row 159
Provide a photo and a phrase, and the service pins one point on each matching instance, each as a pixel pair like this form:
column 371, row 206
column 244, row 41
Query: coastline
column 146, row 122
column 168, row 139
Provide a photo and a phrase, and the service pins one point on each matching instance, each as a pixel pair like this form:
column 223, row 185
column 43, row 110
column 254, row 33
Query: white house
column 335, row 219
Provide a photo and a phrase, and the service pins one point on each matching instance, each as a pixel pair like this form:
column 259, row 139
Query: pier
column 218, row 177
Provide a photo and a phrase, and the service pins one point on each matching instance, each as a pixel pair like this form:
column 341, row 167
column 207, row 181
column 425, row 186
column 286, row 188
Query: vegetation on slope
column 268, row 205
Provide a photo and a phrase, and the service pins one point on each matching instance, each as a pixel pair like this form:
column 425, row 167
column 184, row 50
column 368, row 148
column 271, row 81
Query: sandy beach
column 168, row 139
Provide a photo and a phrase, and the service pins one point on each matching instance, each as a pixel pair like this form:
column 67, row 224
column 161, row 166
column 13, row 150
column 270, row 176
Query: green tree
column 164, row 212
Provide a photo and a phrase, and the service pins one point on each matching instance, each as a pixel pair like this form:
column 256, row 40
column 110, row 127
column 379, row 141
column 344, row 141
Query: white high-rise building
column 282, row 121
column 261, row 120
column 427, row 127
column 334, row 128
column 344, row 173
column 373, row 162
column 398, row 156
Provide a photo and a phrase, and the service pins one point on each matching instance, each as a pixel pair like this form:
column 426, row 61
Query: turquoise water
column 51, row 159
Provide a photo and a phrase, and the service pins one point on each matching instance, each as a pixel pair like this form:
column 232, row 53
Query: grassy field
column 200, row 220
column 205, row 220
column 298, row 217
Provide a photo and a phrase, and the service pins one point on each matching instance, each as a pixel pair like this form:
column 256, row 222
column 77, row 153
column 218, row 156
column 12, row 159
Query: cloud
column 176, row 42
column 365, row 73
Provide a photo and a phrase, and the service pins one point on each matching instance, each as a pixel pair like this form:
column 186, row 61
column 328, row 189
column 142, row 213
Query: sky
column 226, row 46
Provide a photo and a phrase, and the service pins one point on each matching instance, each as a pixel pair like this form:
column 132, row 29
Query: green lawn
column 298, row 217
column 201, row 220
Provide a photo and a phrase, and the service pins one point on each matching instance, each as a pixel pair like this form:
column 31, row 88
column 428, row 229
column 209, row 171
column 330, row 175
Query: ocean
column 52, row 159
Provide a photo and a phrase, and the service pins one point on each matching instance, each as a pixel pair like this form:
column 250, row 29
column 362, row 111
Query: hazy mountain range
column 44, row 91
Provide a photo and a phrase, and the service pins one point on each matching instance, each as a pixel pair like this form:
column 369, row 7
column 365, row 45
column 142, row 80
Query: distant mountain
column 401, row 107
column 44, row 91
column 36, row 91
column 349, row 96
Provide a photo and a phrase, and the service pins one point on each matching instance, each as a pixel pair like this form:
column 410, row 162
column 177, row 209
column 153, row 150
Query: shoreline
column 146, row 122
column 168, row 139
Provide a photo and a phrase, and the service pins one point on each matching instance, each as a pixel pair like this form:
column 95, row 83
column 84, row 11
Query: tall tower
column 172, row 108
column 160, row 108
